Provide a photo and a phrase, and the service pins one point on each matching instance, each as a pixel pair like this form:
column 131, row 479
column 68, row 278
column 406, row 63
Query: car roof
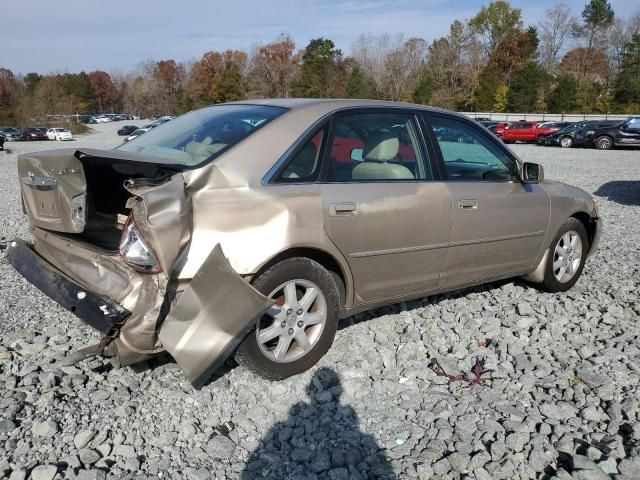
column 331, row 104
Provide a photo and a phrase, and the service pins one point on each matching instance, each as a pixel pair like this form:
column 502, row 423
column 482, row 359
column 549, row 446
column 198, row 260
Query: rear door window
column 369, row 147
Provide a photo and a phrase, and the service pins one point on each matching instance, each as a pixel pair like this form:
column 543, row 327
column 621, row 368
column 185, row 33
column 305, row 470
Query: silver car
column 252, row 228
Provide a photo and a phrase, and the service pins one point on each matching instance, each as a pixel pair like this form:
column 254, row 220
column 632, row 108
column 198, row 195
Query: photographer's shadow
column 320, row 439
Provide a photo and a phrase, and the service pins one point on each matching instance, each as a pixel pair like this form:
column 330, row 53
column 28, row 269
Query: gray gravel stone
column 83, row 437
column 44, row 429
column 220, row 447
column 7, row 426
column 44, row 472
column 93, row 474
column 88, row 457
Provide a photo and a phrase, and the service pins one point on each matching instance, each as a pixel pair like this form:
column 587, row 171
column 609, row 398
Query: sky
column 116, row 35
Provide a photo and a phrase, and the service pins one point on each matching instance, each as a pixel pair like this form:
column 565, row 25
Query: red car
column 498, row 129
column 526, row 131
column 34, row 134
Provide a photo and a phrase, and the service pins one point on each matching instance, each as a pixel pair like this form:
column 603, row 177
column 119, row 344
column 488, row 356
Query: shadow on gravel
column 625, row 192
column 320, row 439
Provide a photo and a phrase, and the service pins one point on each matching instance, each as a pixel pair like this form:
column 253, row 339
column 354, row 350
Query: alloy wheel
column 567, row 256
column 604, row 143
column 565, row 142
column 294, row 324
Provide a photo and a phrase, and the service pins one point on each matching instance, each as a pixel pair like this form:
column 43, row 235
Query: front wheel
column 300, row 327
column 566, row 142
column 566, row 256
column 603, row 142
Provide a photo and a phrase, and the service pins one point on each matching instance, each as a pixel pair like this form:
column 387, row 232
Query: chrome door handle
column 468, row 204
column 339, row 209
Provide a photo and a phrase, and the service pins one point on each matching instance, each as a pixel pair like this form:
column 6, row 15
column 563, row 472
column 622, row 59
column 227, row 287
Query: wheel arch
column 613, row 142
column 589, row 224
column 324, row 258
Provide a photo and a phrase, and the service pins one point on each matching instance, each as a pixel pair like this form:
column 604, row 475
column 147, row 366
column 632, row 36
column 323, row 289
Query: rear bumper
column 96, row 310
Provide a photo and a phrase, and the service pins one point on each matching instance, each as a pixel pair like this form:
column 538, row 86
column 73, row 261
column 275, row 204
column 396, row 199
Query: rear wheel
column 566, row 142
column 603, row 142
column 300, row 327
column 566, row 257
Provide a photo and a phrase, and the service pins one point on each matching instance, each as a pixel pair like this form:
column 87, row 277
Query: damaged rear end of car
column 111, row 231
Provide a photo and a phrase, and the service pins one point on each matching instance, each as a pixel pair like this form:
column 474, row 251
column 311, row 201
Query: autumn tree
column 217, row 77
column 31, row 81
column 274, row 68
column 627, row 88
column 597, row 17
column 515, row 51
column 501, row 98
column 169, row 76
column 8, row 89
column 320, row 60
column 360, row 84
column 493, row 21
column 453, row 66
column 103, row 90
column 402, row 67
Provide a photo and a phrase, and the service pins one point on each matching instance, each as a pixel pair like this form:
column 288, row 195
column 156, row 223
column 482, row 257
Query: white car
column 59, row 134
column 101, row 119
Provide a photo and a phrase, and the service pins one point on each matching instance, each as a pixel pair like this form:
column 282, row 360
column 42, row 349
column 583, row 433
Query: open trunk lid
column 54, row 183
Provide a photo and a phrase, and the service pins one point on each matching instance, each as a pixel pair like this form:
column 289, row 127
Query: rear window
column 200, row 136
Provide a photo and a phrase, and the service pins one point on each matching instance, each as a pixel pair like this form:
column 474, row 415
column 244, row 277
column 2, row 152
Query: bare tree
column 554, row 30
column 401, row 67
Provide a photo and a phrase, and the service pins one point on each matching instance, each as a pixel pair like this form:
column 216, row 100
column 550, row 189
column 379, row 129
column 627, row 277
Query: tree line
column 568, row 63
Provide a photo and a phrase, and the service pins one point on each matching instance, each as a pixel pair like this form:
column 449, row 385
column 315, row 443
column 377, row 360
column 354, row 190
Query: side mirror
column 356, row 154
column 532, row 173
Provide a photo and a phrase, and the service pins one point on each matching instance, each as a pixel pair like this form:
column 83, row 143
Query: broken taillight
column 135, row 250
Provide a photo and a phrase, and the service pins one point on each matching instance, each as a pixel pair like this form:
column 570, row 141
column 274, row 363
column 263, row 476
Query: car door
column 498, row 223
column 629, row 133
column 383, row 210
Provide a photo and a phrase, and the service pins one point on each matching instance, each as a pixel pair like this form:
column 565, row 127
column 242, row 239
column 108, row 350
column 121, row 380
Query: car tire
column 603, row 142
column 563, row 269
column 566, row 142
column 305, row 274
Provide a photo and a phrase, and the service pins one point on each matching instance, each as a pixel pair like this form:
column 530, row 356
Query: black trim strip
column 435, row 246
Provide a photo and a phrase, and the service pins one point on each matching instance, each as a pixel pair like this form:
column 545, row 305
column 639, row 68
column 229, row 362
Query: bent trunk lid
column 54, row 190
column 54, row 185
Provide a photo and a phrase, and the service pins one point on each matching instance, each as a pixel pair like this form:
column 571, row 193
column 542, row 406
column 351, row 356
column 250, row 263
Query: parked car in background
column 498, row 128
column 571, row 135
column 137, row 133
column 33, row 134
column 488, row 123
column 1, row 142
column 100, row 119
column 233, row 229
column 11, row 134
column 59, row 134
column 621, row 134
column 127, row 130
column 525, row 131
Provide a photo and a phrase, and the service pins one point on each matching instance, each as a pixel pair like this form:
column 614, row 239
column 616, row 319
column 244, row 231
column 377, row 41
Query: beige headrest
column 381, row 147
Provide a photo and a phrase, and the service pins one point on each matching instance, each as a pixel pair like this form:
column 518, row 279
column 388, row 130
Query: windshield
column 202, row 135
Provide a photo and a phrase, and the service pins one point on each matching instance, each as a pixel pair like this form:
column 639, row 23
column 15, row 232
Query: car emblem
column 64, row 171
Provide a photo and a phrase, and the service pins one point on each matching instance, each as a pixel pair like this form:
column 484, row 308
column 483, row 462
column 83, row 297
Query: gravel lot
column 564, row 399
